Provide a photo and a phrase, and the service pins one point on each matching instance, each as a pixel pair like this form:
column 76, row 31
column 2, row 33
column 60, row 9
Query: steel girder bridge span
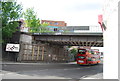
column 82, row 39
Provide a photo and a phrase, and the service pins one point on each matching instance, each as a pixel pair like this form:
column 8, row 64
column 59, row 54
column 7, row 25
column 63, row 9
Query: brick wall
column 54, row 23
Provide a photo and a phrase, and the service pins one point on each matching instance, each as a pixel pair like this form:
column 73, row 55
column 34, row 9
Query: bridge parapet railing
column 69, row 33
column 74, row 30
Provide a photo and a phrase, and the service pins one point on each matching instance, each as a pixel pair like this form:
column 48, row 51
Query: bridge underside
column 76, row 43
column 71, row 40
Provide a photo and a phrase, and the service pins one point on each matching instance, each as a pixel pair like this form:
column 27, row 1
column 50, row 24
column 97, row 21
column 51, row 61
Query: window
column 50, row 22
column 81, row 51
column 81, row 57
column 55, row 23
column 89, row 59
column 91, row 52
column 55, row 29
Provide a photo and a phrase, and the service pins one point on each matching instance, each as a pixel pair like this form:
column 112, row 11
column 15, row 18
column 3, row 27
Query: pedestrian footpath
column 14, row 75
column 96, row 76
column 35, row 63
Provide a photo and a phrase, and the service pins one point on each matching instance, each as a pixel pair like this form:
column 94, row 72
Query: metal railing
column 72, row 30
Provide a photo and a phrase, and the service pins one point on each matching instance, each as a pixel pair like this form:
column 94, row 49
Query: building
column 54, row 23
column 109, row 24
column 82, row 29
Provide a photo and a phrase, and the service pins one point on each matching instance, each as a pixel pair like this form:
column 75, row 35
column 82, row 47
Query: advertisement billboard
column 13, row 47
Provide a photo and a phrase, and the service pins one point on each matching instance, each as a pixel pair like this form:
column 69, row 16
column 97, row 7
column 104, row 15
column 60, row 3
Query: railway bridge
column 81, row 39
column 53, row 48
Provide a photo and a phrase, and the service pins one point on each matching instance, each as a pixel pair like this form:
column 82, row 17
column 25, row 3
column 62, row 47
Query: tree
column 31, row 20
column 74, row 52
column 43, row 28
column 10, row 14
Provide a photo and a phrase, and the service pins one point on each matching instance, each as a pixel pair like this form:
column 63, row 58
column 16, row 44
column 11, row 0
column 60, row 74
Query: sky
column 73, row 12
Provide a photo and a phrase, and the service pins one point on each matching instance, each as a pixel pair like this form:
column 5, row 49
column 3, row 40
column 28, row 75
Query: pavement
column 10, row 75
column 37, row 63
column 96, row 76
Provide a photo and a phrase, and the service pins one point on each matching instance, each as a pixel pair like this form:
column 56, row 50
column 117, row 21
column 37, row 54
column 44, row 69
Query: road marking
column 43, row 70
column 96, row 76
column 72, row 69
column 87, row 67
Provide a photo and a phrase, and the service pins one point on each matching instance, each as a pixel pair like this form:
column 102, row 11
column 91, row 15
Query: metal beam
column 71, row 40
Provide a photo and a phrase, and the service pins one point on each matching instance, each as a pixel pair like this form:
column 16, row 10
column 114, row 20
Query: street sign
column 13, row 47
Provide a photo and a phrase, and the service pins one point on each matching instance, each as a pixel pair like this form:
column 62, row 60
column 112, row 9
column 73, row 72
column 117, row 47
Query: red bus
column 87, row 56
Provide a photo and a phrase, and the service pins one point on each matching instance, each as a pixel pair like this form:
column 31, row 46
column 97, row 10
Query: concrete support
column 31, row 50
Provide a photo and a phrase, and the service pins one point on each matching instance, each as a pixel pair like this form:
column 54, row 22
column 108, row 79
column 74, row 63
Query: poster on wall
column 13, row 47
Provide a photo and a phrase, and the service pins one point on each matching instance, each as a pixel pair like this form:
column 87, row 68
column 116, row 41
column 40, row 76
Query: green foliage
column 11, row 12
column 69, row 46
column 31, row 20
column 44, row 28
column 74, row 51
